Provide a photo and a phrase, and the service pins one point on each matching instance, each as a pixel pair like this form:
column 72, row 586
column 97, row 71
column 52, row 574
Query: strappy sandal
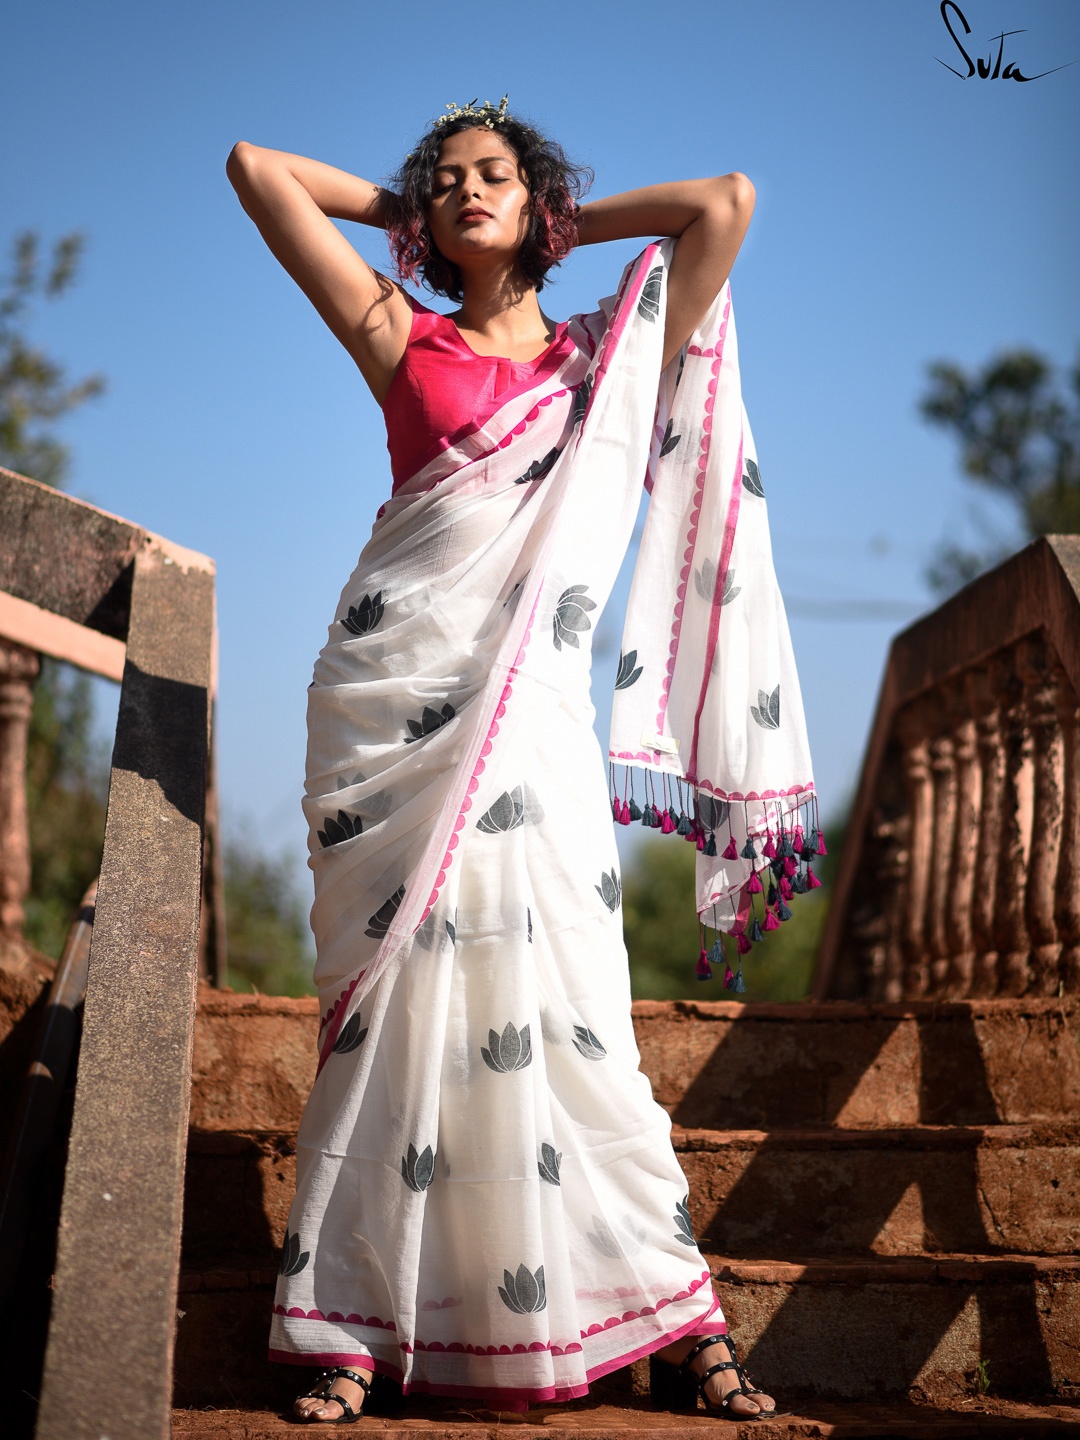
column 744, row 1387
column 322, row 1390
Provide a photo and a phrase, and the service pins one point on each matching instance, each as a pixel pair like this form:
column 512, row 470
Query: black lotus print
column 528, row 920
column 512, row 1050
column 751, row 481
column 549, row 1163
column 730, row 588
column 610, row 890
column 669, row 441
column 705, row 583
column 684, row 1233
column 682, row 367
column 648, row 305
column 629, row 671
column 292, row 1261
column 451, row 930
column 713, row 812
column 586, row 1043
column 767, row 711
column 524, row 1293
column 510, row 811
column 429, row 722
column 365, row 616
column 417, row 1170
column 381, row 921
column 343, row 828
column 351, row 1036
column 581, row 398
column 539, row 468
column 570, row 617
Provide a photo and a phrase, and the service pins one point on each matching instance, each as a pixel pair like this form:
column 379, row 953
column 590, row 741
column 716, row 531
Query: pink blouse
column 442, row 389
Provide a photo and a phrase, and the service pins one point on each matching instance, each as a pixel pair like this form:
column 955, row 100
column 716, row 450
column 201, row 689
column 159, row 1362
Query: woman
column 488, row 1203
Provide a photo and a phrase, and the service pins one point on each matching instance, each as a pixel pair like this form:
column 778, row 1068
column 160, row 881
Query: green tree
column 663, row 940
column 1019, row 437
column 67, row 775
column 269, row 941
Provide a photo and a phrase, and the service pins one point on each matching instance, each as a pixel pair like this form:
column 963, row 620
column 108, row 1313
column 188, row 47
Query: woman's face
column 480, row 202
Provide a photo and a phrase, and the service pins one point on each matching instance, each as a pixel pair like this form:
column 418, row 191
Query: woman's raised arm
column 293, row 201
column 708, row 218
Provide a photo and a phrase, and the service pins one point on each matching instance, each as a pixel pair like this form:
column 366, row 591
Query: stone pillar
column 1067, row 888
column 958, row 926
column 919, row 785
column 943, row 769
column 1010, row 922
column 981, row 689
column 18, row 670
column 1042, row 683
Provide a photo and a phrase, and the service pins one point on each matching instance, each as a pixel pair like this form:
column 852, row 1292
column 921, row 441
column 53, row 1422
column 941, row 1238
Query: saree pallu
column 488, row 1203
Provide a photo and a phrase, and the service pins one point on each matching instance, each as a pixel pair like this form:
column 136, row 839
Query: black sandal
column 723, row 1407
column 323, row 1390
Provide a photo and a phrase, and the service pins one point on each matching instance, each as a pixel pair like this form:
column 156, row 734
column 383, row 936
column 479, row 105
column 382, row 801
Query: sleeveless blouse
column 442, row 389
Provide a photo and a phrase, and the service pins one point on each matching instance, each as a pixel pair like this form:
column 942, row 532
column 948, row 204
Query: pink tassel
column 704, row 971
column 616, row 810
column 743, row 943
column 731, row 853
column 667, row 825
column 790, row 866
column 771, row 922
column 797, row 839
column 700, row 840
column 785, row 889
column 729, row 978
column 821, row 844
column 812, row 882
column 769, row 849
column 753, row 885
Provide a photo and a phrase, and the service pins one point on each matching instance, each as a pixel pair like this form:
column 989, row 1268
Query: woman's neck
column 504, row 315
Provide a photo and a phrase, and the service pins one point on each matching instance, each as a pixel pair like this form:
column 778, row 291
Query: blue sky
column 903, row 215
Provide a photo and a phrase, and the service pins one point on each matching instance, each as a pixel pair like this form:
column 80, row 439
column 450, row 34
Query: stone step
column 982, row 1417
column 760, row 1067
column 723, row 1065
column 987, row 1188
column 854, row 1329
column 979, row 1189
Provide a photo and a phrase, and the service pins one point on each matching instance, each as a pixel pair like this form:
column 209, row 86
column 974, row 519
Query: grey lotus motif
column 512, row 1050
column 549, row 1163
column 570, row 616
column 705, row 583
column 451, row 930
column 713, row 812
column 524, row 1293
column 350, row 1036
column 381, row 921
column 510, row 811
column 528, row 921
column 292, row 1261
column 343, row 828
column 365, row 616
column 603, row 1239
column 581, row 398
column 670, row 441
column 629, row 671
column 417, row 1170
column 730, row 588
column 430, row 721
column 610, row 889
column 539, row 468
column 648, row 305
column 767, row 711
column 376, row 806
column 751, row 481
column 684, row 1233
column 586, row 1043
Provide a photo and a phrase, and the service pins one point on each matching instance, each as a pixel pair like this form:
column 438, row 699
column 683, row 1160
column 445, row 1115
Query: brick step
column 727, row 1066
column 854, row 1329
column 992, row 1188
column 723, row 1065
column 984, row 1417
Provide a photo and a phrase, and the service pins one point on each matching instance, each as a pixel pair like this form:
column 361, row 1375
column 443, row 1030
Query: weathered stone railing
column 78, row 583
column 960, row 874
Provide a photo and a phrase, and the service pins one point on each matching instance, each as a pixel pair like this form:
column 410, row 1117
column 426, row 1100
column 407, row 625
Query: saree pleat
column 488, row 1203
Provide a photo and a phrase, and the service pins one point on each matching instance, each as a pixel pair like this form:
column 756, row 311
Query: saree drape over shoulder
column 488, row 1203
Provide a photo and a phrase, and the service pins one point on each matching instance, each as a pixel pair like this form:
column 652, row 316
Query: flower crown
column 488, row 113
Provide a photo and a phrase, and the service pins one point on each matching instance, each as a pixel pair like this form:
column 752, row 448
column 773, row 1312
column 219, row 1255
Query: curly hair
column 554, row 183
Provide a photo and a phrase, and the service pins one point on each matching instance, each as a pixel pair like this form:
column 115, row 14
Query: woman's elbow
column 739, row 191
column 240, row 162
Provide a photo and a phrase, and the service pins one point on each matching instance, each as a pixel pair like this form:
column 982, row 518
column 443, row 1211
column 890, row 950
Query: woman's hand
column 708, row 219
column 293, row 201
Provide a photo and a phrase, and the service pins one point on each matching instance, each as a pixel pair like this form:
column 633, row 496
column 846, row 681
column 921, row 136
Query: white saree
column 488, row 1203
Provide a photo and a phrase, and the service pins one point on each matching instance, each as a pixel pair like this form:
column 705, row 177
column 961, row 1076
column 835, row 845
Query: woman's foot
column 721, row 1384
column 324, row 1406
